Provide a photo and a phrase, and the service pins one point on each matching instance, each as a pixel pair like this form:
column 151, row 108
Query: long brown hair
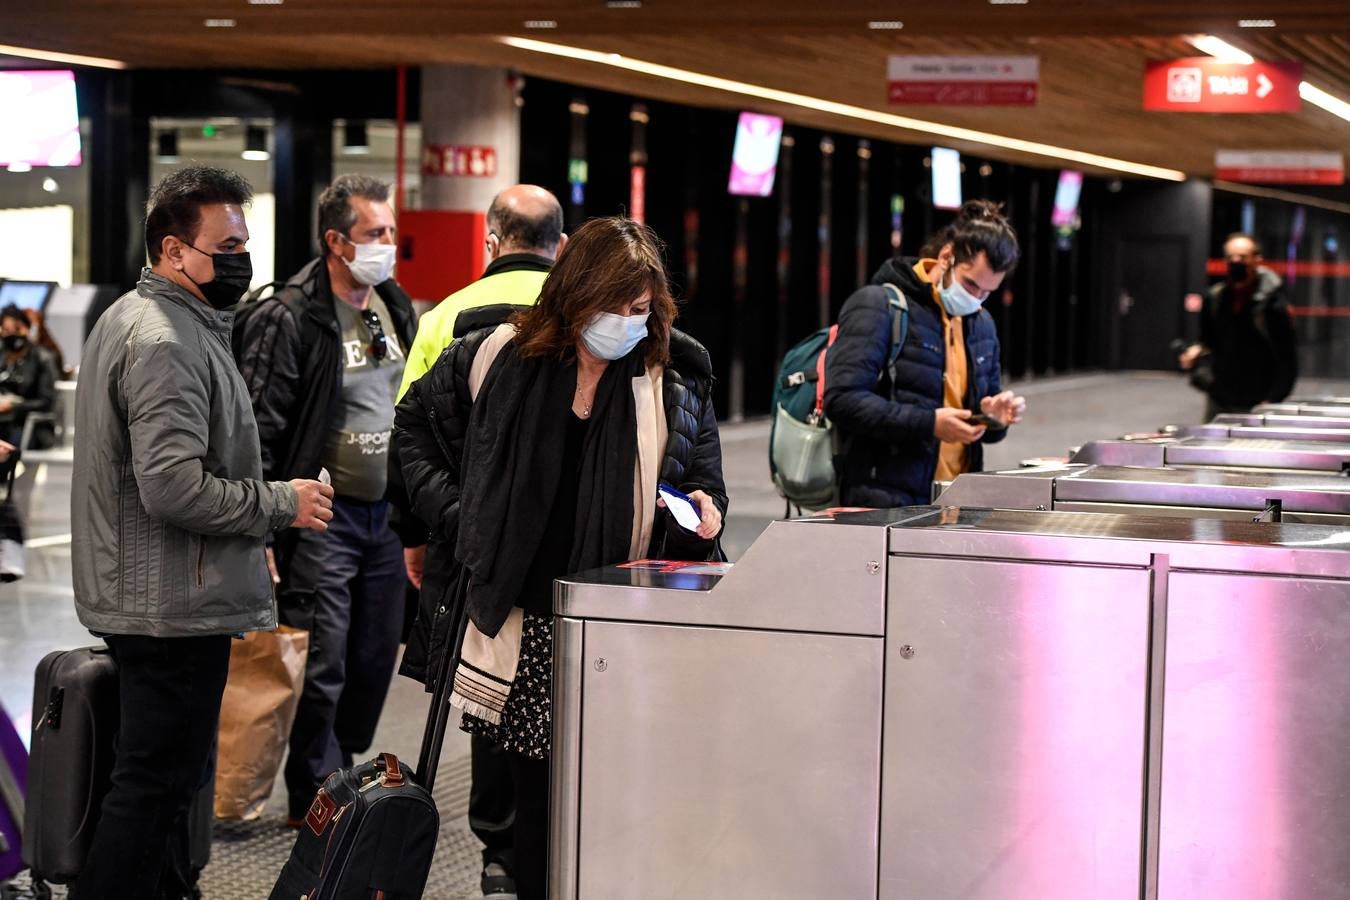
column 607, row 264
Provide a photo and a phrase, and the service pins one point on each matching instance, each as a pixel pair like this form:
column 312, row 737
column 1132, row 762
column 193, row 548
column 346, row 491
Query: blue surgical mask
column 612, row 336
column 957, row 300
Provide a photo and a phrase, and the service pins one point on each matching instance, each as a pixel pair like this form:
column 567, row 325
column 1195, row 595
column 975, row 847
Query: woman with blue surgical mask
column 926, row 416
column 533, row 451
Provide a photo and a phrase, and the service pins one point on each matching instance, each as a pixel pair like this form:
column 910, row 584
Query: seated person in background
column 28, row 376
column 43, row 338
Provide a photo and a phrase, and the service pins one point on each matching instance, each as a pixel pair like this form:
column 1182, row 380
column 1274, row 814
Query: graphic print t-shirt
column 357, row 455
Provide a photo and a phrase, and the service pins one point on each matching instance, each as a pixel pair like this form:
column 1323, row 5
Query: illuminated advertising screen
column 1066, row 199
column 946, row 178
column 41, row 122
column 754, row 160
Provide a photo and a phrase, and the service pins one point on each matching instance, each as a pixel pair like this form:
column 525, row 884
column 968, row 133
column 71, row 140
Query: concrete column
column 470, row 152
column 468, row 107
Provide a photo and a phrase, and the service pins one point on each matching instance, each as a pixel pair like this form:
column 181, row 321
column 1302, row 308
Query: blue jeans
column 346, row 588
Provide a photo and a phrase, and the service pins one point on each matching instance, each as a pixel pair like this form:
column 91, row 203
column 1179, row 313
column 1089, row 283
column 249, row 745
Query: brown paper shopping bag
column 267, row 672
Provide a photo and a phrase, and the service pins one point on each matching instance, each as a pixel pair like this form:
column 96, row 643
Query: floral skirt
column 527, row 719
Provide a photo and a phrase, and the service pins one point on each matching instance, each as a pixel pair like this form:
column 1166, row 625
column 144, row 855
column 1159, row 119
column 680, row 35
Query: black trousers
column 530, row 778
column 492, row 802
column 170, row 690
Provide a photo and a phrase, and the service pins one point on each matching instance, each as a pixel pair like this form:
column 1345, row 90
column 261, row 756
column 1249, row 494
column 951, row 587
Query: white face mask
column 612, row 336
column 957, row 300
column 374, row 263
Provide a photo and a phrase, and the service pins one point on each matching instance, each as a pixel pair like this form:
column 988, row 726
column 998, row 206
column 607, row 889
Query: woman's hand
column 710, row 517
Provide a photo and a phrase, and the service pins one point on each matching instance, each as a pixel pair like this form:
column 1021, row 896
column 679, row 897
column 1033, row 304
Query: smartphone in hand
column 987, row 421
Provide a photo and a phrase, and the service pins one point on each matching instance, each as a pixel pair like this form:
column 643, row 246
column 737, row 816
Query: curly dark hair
column 175, row 206
column 980, row 227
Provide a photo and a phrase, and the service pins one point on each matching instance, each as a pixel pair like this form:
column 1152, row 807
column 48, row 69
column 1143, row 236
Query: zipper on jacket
column 436, row 432
column 201, row 562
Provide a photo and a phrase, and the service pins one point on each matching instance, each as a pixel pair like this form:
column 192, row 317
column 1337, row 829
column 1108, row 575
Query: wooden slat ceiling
column 1092, row 55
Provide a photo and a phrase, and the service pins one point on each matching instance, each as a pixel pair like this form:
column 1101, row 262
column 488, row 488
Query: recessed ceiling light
column 874, row 117
column 889, row 25
column 1256, row 23
column 73, row 58
column 266, row 2
column 50, row 186
column 624, row 4
column 255, row 144
column 1009, row 2
column 219, row 23
column 540, row 23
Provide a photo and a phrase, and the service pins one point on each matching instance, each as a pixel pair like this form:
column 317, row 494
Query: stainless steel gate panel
column 1264, row 454
column 1197, row 512
column 728, row 763
column 1205, row 488
column 1014, row 730
column 1256, row 765
column 1283, row 420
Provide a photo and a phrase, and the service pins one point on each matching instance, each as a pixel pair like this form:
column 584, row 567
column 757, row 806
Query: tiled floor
column 36, row 614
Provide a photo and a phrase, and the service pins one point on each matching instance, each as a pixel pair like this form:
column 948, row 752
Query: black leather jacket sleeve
column 270, row 364
column 703, row 473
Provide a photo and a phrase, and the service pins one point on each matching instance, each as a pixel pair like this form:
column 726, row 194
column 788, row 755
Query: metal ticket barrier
column 1188, row 493
column 1241, row 453
column 961, row 702
column 1310, row 406
column 1277, row 428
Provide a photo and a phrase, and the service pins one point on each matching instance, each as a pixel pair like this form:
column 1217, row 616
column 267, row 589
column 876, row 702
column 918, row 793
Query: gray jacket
column 168, row 506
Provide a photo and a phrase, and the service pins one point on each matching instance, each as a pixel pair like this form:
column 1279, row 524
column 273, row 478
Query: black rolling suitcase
column 371, row 831
column 76, row 713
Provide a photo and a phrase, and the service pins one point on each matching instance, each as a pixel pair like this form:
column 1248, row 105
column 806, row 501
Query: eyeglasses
column 379, row 344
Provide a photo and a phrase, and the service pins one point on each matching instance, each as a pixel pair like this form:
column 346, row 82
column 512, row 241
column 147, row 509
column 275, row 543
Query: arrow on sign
column 1263, row 85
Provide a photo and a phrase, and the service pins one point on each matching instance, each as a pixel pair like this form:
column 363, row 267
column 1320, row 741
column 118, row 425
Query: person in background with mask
column 1247, row 334
column 168, row 513
column 28, row 375
column 901, row 436
column 545, row 438
column 323, row 359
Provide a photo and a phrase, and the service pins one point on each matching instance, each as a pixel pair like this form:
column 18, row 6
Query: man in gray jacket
column 168, row 513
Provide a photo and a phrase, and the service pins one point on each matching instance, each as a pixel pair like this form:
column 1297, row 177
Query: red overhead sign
column 457, row 160
column 1280, row 167
column 963, row 80
column 1205, row 84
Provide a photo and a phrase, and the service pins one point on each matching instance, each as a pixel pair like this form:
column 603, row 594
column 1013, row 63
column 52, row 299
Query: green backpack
column 801, row 439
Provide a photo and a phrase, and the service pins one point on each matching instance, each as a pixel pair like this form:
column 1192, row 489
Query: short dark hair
column 335, row 203
column 14, row 312
column 537, row 233
column 980, row 227
column 175, row 206
column 1244, row 236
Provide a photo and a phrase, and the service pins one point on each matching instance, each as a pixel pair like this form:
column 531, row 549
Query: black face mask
column 1237, row 272
column 15, row 342
column 234, row 273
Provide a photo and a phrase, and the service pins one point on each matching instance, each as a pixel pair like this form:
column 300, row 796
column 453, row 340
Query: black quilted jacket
column 429, row 434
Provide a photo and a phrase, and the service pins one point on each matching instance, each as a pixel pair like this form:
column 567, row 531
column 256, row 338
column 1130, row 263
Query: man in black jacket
column 1246, row 330
column 323, row 360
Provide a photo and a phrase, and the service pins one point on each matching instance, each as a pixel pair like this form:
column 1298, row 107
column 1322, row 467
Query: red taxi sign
column 1204, row 84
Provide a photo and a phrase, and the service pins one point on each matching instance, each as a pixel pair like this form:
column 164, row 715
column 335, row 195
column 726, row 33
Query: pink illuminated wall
column 41, row 124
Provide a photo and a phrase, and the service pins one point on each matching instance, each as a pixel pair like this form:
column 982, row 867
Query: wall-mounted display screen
column 946, row 178
column 25, row 294
column 754, row 159
column 1066, row 199
column 41, row 122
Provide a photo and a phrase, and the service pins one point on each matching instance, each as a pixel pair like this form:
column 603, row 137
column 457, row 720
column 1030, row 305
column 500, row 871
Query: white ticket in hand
column 681, row 507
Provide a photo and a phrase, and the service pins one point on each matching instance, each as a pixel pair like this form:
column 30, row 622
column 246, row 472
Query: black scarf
column 512, row 465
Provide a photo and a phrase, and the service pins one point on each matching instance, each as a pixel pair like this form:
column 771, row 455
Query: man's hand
column 315, row 509
column 6, row 451
column 414, row 561
column 1189, row 356
column 710, row 517
column 950, row 425
column 272, row 566
column 1007, row 407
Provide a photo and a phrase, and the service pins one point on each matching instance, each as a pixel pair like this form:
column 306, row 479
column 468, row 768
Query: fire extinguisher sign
column 456, row 160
